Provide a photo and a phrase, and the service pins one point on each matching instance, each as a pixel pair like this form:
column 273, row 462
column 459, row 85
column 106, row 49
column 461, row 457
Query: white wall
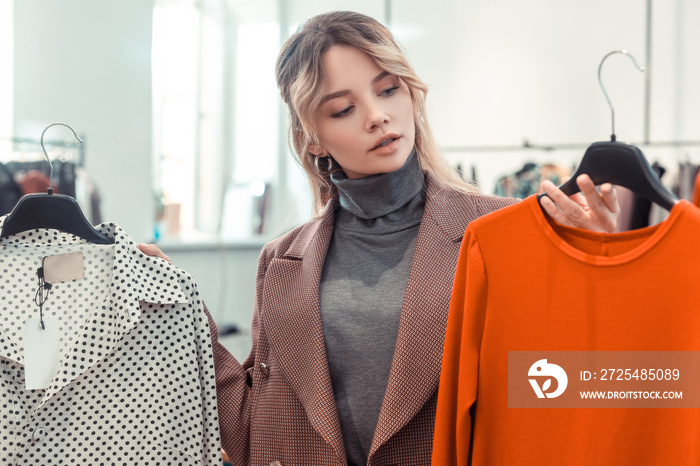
column 87, row 63
column 503, row 71
column 225, row 277
column 299, row 11
column 675, row 107
column 509, row 69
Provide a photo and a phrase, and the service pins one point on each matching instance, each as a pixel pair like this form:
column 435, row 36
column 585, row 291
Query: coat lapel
column 292, row 317
column 292, row 320
column 415, row 370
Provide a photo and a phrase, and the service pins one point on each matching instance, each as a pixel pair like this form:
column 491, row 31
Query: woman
column 351, row 307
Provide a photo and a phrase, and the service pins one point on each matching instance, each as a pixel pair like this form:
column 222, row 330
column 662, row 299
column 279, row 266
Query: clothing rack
column 527, row 146
column 20, row 156
column 468, row 160
column 22, row 144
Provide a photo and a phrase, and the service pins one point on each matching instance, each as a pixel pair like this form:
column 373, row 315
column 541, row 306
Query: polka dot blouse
column 135, row 381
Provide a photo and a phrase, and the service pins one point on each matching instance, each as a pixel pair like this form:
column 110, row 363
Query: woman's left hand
column 589, row 209
column 154, row 251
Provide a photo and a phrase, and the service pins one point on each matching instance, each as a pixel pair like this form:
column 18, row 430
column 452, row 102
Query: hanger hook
column 48, row 159
column 600, row 81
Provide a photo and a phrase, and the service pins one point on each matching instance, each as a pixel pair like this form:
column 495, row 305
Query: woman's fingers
column 553, row 210
column 609, row 194
column 590, row 209
column 153, row 251
column 566, row 211
column 602, row 205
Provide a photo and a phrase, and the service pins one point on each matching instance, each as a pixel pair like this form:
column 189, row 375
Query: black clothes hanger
column 56, row 211
column 619, row 163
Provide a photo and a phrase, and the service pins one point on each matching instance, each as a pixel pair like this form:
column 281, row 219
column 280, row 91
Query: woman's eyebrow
column 334, row 95
column 344, row 92
column 380, row 76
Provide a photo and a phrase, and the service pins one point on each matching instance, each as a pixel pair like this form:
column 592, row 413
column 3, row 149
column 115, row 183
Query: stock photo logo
column 543, row 372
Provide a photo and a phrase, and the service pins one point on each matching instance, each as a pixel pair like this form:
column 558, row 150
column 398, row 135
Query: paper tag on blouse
column 41, row 353
column 63, row 268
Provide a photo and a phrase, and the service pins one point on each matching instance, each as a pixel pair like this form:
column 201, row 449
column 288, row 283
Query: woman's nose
column 376, row 117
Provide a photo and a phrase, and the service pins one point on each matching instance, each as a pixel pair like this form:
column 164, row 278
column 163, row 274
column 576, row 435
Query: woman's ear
column 316, row 150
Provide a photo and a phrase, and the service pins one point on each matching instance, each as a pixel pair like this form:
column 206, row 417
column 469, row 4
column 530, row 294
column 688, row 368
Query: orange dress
column 525, row 283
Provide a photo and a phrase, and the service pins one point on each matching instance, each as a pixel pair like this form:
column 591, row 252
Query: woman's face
column 366, row 119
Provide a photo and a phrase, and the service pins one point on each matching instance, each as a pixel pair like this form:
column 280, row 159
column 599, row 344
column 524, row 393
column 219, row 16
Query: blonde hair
column 299, row 73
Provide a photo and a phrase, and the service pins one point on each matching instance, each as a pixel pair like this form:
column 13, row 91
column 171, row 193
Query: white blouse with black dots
column 135, row 383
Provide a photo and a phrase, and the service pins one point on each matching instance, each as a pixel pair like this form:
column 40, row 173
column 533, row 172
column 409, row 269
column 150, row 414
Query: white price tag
column 41, row 354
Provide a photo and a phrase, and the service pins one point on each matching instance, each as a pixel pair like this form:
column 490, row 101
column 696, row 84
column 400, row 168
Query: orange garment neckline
column 649, row 236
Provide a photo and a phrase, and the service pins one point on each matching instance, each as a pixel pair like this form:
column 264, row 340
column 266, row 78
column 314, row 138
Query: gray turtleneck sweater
column 362, row 288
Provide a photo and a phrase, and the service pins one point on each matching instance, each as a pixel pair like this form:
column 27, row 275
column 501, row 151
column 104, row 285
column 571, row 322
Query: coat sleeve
column 233, row 381
column 459, row 374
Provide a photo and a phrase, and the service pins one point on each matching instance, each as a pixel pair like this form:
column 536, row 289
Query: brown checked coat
column 278, row 407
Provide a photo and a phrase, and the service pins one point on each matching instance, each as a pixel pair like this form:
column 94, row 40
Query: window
column 6, row 72
column 216, row 115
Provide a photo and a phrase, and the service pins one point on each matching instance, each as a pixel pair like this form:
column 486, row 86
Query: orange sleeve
column 696, row 190
column 460, row 361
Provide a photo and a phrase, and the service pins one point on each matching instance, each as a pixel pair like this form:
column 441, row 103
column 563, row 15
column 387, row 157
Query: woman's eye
column 342, row 113
column 390, row 91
